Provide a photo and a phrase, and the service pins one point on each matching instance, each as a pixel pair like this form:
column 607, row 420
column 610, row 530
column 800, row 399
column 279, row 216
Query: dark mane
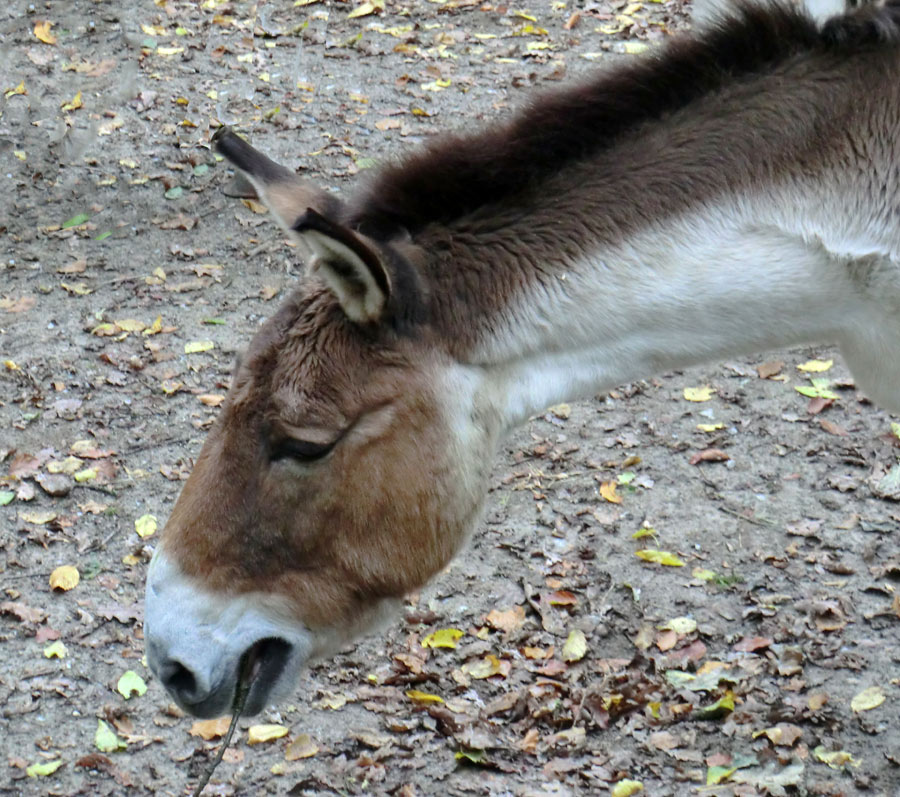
column 458, row 174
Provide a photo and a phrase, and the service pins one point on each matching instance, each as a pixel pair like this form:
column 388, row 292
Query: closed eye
column 300, row 450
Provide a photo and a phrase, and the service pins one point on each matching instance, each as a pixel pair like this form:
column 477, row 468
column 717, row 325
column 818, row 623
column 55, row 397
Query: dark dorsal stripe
column 458, row 174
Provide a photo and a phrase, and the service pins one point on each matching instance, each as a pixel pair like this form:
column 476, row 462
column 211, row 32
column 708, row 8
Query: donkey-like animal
column 737, row 191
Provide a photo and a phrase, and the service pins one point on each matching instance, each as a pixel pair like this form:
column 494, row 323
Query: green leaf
column 43, row 768
column 472, row 756
column 103, row 235
column 200, row 169
column 715, row 775
column 131, row 683
column 174, row 192
column 81, row 218
column 6, row 497
column 105, row 740
column 215, row 321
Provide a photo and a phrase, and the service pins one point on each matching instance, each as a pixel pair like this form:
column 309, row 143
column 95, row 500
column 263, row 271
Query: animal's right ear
column 285, row 194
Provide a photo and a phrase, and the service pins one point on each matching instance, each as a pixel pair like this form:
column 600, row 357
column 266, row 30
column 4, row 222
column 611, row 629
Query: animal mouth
column 261, row 667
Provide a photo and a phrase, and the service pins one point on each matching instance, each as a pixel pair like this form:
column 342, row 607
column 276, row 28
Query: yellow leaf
column 575, row 647
column 815, row 366
column 42, row 32
column 659, row 557
column 73, row 104
column 304, row 746
column 835, row 759
column 680, row 625
column 710, row 427
column 646, row 531
column 436, row 85
column 482, row 668
column 78, row 288
column 210, row 729
column 369, row 7
column 197, row 346
column 85, row 475
column 442, row 638
column 10, row 365
column 131, row 560
column 64, row 578
column 523, row 15
column 131, row 325
column 130, row 683
column 702, row 574
column 156, row 327
column 38, row 516
column 423, row 697
column 20, row 89
column 55, row 650
column 258, row 734
column 868, row 699
column 626, row 788
column 153, row 30
column 169, row 50
column 699, row 393
column 146, row 525
column 633, row 48
column 562, row 411
column 608, row 491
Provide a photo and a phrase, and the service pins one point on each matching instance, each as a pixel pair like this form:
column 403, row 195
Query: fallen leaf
column 835, row 759
column 659, row 557
column 42, row 32
column 815, row 366
column 423, row 697
column 38, row 517
column 626, row 788
column 211, row 399
column 304, row 746
column 55, row 650
column 442, row 638
column 575, row 647
column 699, row 393
column 367, row 8
column 106, row 741
column 868, row 699
column 483, row 668
column 64, row 578
column 709, row 455
column 210, row 729
column 259, row 734
column 130, row 683
column 43, row 768
column 608, row 492
column 74, row 104
column 146, row 526
column 680, row 625
column 506, row 621
column 198, row 346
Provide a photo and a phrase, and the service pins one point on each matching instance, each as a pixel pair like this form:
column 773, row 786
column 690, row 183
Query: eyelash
column 300, row 450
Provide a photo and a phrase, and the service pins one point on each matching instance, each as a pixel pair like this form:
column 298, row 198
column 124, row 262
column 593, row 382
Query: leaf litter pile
column 689, row 585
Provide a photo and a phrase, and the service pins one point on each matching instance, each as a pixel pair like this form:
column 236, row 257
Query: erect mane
column 457, row 174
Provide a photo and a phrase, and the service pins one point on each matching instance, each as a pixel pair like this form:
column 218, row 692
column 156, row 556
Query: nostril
column 178, row 679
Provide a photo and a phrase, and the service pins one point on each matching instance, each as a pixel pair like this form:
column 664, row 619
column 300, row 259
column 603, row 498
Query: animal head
column 345, row 469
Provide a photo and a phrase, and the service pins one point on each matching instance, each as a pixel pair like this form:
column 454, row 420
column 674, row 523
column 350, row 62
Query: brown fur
column 459, row 175
column 391, row 504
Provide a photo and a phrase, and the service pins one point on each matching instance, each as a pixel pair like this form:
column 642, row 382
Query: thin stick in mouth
column 247, row 672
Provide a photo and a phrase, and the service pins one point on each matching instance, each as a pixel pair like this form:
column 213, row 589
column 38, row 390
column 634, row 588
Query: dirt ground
column 763, row 660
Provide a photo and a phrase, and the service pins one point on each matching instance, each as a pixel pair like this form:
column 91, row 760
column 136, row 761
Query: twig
column 742, row 516
column 240, row 698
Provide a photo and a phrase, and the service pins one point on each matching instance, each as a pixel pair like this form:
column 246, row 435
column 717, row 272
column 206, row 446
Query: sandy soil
column 785, row 608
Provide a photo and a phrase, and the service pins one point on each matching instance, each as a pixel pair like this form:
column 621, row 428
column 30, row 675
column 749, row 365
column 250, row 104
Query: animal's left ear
column 352, row 268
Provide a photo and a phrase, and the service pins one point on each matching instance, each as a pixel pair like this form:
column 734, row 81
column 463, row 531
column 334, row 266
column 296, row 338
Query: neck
column 707, row 285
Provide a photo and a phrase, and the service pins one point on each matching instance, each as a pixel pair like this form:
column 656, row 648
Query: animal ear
column 285, row 194
column 351, row 268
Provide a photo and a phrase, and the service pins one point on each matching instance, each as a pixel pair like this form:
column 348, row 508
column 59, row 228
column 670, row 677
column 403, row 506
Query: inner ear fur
column 351, row 267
